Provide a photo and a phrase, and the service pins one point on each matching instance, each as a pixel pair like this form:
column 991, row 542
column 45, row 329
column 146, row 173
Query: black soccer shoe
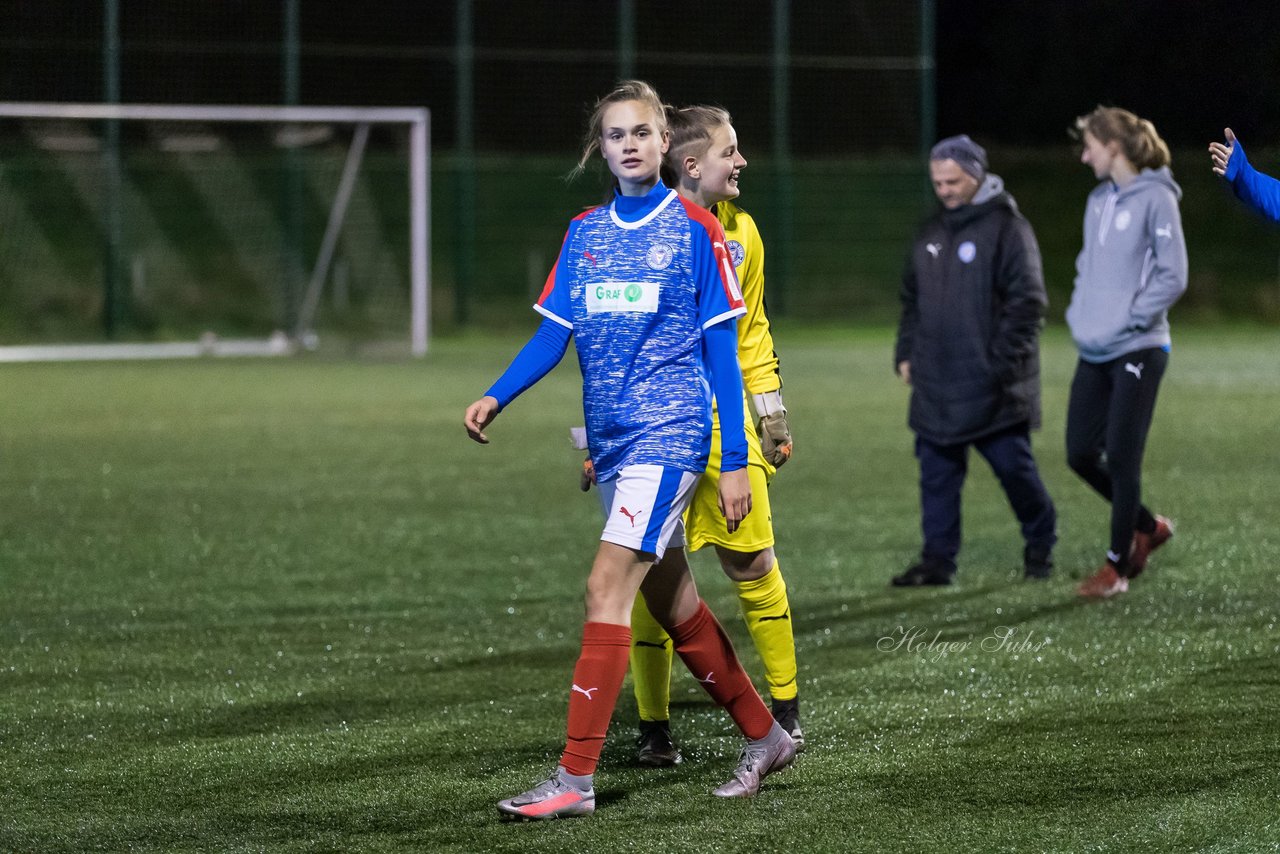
column 787, row 714
column 654, row 747
column 1037, row 563
column 925, row 573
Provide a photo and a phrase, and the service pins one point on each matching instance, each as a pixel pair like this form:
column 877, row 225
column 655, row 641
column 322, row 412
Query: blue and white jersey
column 636, row 282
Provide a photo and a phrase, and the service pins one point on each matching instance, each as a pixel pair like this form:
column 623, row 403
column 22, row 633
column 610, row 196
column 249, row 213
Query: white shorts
column 644, row 507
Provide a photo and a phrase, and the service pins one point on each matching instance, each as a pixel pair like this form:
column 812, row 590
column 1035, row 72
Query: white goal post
column 417, row 120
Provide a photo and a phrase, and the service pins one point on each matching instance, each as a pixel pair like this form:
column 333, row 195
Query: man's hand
column 480, row 415
column 735, row 497
column 1220, row 154
column 588, row 475
column 775, row 438
column 904, row 371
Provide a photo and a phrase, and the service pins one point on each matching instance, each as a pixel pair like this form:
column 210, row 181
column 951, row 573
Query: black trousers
column 942, row 474
column 1108, row 418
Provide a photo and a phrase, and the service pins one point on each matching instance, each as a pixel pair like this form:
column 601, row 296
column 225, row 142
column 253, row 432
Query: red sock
column 597, row 680
column 706, row 650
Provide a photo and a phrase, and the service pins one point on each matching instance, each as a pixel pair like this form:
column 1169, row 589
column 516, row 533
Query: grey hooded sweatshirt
column 1132, row 268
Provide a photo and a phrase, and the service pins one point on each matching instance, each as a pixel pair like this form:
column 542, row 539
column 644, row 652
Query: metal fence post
column 113, row 245
column 784, row 190
column 291, row 251
column 465, row 186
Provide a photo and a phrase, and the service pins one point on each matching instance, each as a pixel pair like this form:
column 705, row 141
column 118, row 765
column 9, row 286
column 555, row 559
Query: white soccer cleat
column 759, row 759
column 553, row 798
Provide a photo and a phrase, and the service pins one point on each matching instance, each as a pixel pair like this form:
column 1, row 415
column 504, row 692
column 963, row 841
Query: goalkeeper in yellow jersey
column 703, row 164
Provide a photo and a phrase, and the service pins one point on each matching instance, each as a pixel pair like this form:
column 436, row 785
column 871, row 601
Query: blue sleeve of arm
column 534, row 361
column 721, row 342
column 1258, row 191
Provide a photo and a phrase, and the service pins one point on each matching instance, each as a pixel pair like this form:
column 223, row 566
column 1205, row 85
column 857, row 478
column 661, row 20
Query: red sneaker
column 1145, row 544
column 1104, row 583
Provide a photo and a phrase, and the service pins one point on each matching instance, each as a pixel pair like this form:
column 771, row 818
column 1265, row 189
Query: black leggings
column 1112, row 404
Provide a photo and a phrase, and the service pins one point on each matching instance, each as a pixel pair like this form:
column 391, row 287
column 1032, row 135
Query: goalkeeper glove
column 578, row 435
column 775, row 435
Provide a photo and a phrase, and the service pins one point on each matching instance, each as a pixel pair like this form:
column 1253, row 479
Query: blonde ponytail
column 1138, row 138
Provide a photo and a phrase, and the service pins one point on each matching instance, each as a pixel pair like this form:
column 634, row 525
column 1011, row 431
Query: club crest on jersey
column 736, row 253
column 967, row 252
column 660, row 256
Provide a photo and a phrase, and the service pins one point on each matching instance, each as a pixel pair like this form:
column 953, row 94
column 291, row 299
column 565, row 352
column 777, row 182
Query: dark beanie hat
column 967, row 154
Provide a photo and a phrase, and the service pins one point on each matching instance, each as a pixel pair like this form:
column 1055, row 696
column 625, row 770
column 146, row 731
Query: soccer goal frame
column 418, row 120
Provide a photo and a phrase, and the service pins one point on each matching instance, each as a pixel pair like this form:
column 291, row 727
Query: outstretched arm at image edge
column 1256, row 189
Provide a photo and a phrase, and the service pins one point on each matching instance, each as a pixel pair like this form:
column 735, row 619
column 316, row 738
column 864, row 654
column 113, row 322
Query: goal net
column 134, row 231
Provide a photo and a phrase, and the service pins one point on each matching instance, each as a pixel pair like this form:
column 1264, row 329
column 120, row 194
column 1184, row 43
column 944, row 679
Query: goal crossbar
column 215, row 113
column 418, row 120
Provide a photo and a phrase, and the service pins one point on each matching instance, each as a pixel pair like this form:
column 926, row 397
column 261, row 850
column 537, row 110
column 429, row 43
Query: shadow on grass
column 1069, row 760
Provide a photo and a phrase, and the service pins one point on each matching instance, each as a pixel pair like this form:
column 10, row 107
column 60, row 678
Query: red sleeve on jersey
column 551, row 277
column 728, row 276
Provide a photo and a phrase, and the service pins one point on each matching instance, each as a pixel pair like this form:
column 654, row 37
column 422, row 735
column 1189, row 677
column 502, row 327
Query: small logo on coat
column 1165, row 231
column 933, row 248
column 1122, row 220
column 1136, row 370
column 736, row 253
column 967, row 252
column 659, row 256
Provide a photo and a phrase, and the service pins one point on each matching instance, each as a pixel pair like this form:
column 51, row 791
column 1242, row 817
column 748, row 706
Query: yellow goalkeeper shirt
column 755, row 341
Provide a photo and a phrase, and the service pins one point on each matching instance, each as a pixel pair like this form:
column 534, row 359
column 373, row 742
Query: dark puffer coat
column 973, row 304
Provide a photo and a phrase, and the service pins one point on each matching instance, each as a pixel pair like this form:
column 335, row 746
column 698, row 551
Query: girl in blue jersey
column 646, row 288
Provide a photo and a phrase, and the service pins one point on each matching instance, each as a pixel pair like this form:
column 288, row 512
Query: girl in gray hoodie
column 1132, row 268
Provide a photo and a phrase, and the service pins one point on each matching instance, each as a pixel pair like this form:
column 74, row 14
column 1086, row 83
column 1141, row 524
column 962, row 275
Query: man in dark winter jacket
column 973, row 303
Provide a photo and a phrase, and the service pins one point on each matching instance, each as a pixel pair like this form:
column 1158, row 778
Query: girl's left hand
column 735, row 497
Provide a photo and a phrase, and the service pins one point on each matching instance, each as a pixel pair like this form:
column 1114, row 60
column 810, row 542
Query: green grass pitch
column 286, row 605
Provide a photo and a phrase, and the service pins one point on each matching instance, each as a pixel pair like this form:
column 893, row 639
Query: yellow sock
column 768, row 615
column 651, row 650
